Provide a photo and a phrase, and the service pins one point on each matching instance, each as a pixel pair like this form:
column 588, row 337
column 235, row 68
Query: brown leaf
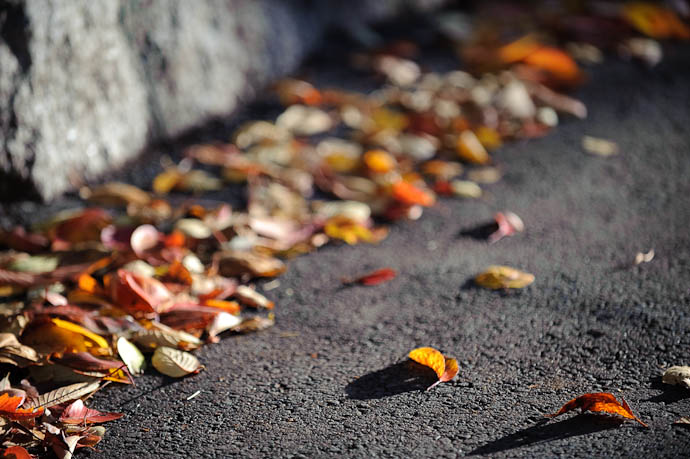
column 236, row 263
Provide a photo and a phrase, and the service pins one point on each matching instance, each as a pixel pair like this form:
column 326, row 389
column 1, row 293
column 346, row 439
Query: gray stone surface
column 86, row 84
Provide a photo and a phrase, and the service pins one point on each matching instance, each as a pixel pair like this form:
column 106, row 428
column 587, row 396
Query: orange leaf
column 410, row 195
column 232, row 307
column 518, row 50
column 16, row 452
column 655, row 21
column 598, row 402
column 136, row 293
column 445, row 369
column 556, row 62
column 9, row 408
column 375, row 277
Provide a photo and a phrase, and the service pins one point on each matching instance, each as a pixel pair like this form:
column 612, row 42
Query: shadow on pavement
column 670, row 394
column 396, row 379
column 479, row 232
column 542, row 432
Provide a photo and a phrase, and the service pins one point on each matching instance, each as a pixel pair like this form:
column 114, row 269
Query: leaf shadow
column 544, row 431
column 407, row 376
column 670, row 394
column 480, row 232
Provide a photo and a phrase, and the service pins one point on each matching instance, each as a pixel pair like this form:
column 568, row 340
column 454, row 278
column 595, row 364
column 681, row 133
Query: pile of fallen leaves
column 87, row 294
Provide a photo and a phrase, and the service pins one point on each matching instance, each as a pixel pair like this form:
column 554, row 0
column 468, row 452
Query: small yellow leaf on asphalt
column 445, row 368
column 175, row 363
column 497, row 277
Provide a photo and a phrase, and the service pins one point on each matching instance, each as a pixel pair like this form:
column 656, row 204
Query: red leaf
column 16, row 452
column 135, row 293
column 86, row 362
column 78, row 413
column 375, row 277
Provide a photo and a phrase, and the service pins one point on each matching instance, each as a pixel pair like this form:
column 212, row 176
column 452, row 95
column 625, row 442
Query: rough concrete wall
column 85, row 84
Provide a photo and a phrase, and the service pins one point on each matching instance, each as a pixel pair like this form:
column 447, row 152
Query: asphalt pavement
column 332, row 377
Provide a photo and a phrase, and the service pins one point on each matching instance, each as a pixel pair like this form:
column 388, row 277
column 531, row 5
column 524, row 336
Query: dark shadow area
column 396, row 379
column 480, row 232
column 670, row 394
column 545, row 431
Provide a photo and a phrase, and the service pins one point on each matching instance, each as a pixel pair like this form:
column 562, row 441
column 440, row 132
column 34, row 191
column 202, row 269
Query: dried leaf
column 162, row 335
column 235, row 263
column 470, row 149
column 684, row 422
column 16, row 452
column 143, row 238
column 78, row 413
column 9, row 408
column 115, row 194
column 445, row 368
column 251, row 297
column 375, row 277
column 408, row 194
column 254, row 324
column 508, row 224
column 599, row 147
column 36, row 264
column 175, row 363
column 304, row 120
column 131, row 356
column 498, row 277
column 644, row 257
column 655, row 21
column 139, row 294
column 67, row 393
column 600, row 402
column 465, row 189
column 14, row 352
column 677, row 375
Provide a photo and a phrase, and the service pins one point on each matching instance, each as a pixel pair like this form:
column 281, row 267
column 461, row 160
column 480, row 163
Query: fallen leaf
column 16, row 452
column 508, row 224
column 654, row 20
column 677, row 375
column 644, row 257
column 445, row 368
column 497, row 277
column 470, row 149
column 143, row 238
column 14, row 352
column 115, row 194
column 9, row 408
column 131, row 356
column 599, row 147
column 162, row 335
column 36, row 264
column 175, row 363
column 78, row 413
column 374, row 278
column 234, row 263
column 67, row 393
column 251, row 297
column 408, row 194
column 600, row 402
column 684, row 422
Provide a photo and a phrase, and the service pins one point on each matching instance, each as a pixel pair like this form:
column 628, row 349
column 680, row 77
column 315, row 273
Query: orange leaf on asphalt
column 374, row 278
column 9, row 408
column 445, row 368
column 598, row 402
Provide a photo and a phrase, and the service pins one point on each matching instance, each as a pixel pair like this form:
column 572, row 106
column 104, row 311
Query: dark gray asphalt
column 328, row 379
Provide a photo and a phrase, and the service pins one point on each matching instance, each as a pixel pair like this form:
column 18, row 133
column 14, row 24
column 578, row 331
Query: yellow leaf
column 498, row 277
column 430, row 357
column 99, row 340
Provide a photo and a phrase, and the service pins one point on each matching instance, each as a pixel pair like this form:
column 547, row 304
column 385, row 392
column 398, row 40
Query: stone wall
column 86, row 84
